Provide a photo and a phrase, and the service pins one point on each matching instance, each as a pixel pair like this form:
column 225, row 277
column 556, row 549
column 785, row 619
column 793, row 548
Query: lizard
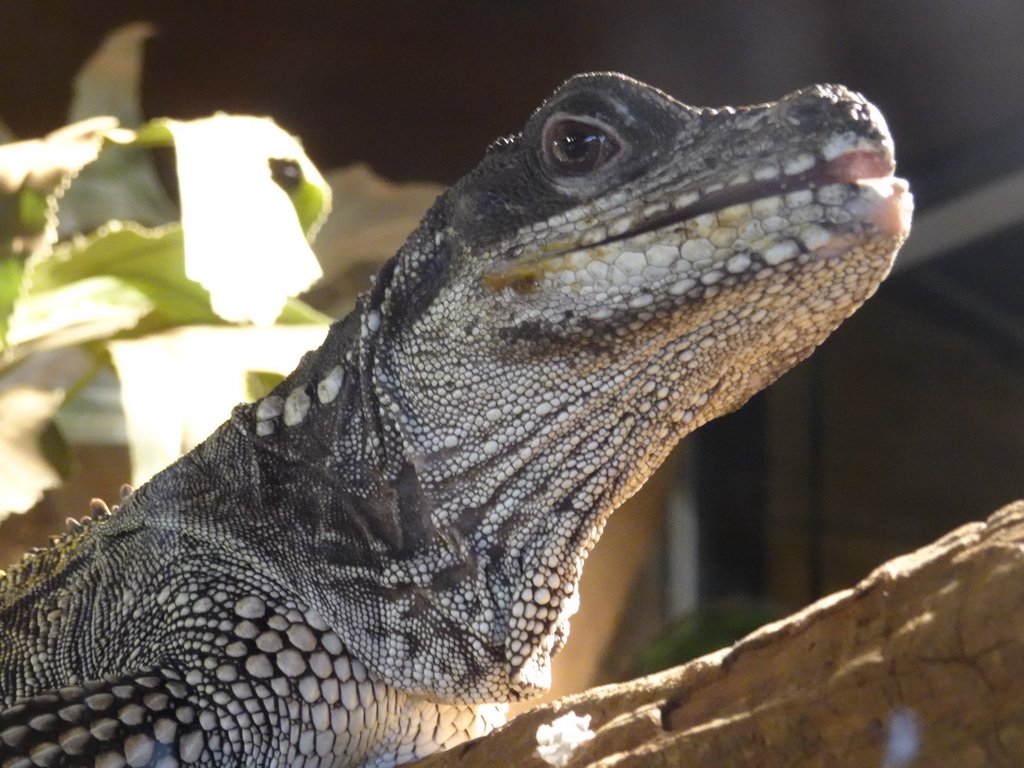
column 367, row 564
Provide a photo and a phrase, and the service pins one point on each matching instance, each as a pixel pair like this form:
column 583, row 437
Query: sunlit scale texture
column 362, row 567
column 255, row 675
column 716, row 248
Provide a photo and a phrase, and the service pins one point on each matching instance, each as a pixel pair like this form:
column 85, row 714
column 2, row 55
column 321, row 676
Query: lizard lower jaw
column 885, row 204
column 856, row 166
column 882, row 202
column 892, row 207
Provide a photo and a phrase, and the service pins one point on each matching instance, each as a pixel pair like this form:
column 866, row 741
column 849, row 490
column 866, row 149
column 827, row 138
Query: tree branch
column 922, row 664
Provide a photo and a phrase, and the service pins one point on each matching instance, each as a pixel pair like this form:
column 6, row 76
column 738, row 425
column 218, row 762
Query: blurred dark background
column 909, row 421
column 418, row 87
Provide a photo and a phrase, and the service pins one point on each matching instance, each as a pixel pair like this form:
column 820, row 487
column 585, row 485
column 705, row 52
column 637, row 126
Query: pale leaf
column 168, row 409
column 108, row 82
column 25, row 413
column 30, row 174
column 86, row 310
column 244, row 239
column 43, row 164
column 122, row 184
column 149, row 259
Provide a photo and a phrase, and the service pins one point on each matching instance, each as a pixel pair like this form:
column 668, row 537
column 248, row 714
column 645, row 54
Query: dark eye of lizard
column 575, row 147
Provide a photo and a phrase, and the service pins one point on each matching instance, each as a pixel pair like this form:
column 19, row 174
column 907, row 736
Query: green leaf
column 149, row 260
column 11, row 269
column 252, row 201
column 85, row 310
column 152, row 262
column 34, row 211
column 298, row 312
column 33, row 453
column 703, row 631
column 123, row 183
column 311, row 200
column 156, row 134
column 258, row 384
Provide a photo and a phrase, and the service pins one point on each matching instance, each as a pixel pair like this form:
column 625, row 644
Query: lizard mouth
column 861, row 167
column 882, row 201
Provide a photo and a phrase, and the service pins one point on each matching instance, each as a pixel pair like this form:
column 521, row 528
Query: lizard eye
column 575, row 147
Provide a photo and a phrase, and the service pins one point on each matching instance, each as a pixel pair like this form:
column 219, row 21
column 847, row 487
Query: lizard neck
column 329, row 471
column 302, row 454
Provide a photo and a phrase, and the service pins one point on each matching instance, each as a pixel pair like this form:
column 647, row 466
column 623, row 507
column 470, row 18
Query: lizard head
column 624, row 270
column 624, row 234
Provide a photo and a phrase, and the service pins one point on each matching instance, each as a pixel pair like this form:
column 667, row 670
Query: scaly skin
column 364, row 566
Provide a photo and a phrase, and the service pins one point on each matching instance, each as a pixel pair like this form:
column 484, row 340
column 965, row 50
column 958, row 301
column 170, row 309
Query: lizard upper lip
column 848, row 168
column 865, row 166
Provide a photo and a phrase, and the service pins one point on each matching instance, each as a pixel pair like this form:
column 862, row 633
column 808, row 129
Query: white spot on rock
column 557, row 742
column 903, row 738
